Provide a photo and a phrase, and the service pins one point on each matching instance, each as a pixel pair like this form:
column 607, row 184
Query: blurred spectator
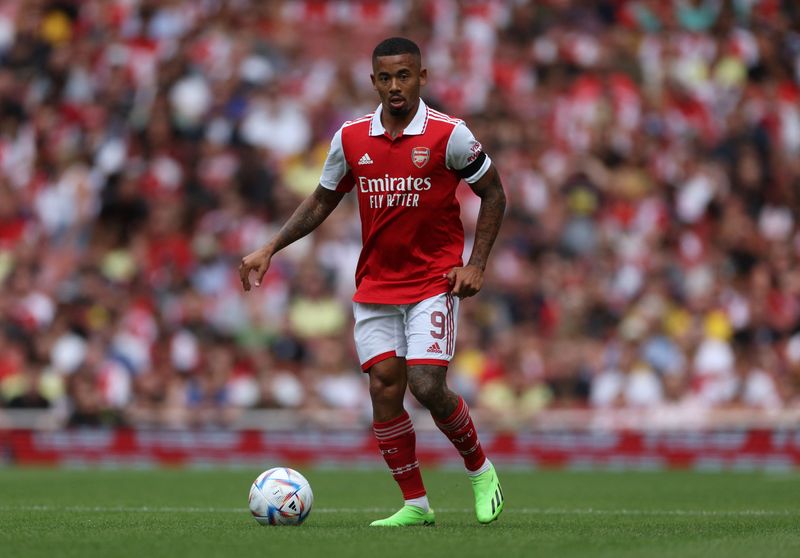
column 650, row 149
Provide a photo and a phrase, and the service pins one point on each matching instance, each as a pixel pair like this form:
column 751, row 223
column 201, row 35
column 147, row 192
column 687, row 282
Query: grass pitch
column 103, row 513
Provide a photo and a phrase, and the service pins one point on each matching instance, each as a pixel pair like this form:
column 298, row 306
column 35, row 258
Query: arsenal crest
column 420, row 156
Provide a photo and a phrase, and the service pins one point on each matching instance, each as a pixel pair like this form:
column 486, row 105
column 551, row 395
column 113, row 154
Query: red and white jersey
column 410, row 219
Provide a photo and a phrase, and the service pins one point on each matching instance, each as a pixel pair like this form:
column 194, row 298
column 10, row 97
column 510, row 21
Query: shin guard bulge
column 397, row 442
column 461, row 432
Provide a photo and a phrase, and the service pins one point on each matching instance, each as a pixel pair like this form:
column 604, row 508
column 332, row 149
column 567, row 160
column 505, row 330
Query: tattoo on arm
column 307, row 217
column 493, row 205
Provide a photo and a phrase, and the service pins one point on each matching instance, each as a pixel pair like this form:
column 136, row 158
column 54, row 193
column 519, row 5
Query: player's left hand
column 465, row 281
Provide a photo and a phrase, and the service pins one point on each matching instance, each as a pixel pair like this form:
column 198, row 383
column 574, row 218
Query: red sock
column 397, row 442
column 461, row 432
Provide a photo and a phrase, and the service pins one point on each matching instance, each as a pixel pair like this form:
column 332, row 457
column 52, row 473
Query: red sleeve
column 346, row 183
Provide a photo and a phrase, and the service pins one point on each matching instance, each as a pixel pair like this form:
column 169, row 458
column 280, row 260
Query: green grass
column 175, row 513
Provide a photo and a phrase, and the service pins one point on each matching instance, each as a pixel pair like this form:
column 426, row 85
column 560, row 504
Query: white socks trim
column 421, row 502
column 483, row 468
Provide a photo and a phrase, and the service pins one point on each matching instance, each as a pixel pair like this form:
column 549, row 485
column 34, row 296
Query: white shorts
column 423, row 332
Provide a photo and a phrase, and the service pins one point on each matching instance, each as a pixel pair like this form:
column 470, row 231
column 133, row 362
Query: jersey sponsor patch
column 420, row 156
column 475, row 149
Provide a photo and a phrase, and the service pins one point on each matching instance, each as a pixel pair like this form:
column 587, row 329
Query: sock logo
column 388, row 451
column 466, row 436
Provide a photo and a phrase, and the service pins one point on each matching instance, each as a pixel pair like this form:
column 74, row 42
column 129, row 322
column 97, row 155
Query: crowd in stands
column 650, row 150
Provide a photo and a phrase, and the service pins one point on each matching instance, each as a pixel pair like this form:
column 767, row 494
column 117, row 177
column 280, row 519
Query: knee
column 385, row 387
column 429, row 387
column 426, row 389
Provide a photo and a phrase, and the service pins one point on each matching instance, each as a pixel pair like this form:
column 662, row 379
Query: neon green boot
column 489, row 499
column 407, row 516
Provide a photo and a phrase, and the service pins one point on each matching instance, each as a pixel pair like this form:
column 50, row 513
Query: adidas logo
column 497, row 500
column 365, row 160
column 435, row 348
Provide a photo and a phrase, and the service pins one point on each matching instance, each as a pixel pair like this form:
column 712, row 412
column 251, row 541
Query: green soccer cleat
column 407, row 516
column 488, row 495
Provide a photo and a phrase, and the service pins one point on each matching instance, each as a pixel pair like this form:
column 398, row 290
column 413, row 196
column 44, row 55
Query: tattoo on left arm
column 493, row 205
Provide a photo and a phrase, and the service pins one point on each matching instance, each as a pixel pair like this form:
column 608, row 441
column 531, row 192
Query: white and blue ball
column 280, row 496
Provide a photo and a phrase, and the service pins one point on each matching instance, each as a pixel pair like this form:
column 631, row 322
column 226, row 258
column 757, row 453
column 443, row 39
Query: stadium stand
column 649, row 258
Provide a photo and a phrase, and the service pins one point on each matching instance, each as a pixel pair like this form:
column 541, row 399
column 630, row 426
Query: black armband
column 473, row 167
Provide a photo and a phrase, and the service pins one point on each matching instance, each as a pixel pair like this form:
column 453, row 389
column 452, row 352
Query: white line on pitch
column 527, row 511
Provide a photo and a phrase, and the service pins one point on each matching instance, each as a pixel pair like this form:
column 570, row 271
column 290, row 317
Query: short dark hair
column 396, row 45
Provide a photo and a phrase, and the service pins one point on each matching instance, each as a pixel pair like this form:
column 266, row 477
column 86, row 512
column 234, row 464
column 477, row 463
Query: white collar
column 414, row 128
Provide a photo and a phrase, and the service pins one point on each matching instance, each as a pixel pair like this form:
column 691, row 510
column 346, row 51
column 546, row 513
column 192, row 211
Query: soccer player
column 405, row 161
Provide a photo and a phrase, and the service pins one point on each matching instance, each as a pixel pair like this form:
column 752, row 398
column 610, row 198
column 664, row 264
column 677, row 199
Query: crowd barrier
column 559, row 440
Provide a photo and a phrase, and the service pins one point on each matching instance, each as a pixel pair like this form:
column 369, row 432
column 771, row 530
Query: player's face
column 398, row 80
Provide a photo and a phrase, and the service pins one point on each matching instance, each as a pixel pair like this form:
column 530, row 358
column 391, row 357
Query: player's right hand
column 257, row 261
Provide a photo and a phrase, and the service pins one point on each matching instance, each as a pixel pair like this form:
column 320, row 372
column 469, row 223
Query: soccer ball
column 280, row 496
